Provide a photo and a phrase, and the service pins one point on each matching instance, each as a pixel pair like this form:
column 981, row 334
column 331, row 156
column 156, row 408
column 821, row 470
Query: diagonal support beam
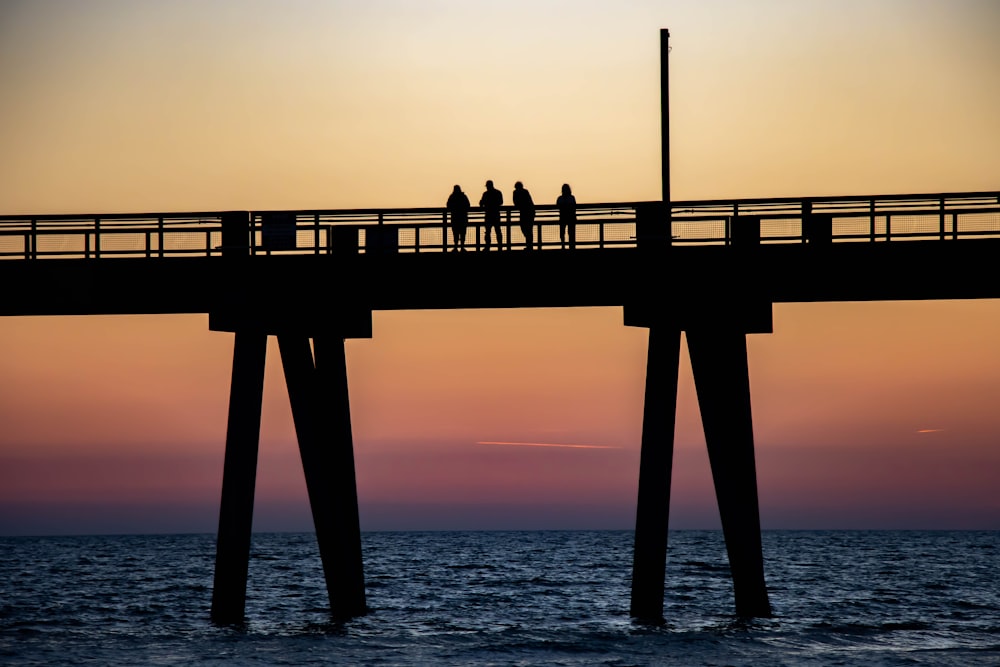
column 232, row 555
column 722, row 380
column 655, row 465
column 319, row 404
column 333, row 396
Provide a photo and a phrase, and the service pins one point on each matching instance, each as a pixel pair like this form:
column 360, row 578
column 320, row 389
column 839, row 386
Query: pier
column 710, row 268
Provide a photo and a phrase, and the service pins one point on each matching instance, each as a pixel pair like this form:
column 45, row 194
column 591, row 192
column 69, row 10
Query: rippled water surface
column 506, row 598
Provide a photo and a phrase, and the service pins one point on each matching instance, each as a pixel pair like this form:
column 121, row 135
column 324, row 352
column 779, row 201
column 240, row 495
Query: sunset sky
column 866, row 415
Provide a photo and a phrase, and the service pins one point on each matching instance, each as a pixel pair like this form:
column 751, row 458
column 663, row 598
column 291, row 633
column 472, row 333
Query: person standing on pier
column 567, row 216
column 491, row 201
column 458, row 210
column 526, row 209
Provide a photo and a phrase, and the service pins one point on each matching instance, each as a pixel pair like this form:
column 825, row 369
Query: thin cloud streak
column 930, row 430
column 545, row 444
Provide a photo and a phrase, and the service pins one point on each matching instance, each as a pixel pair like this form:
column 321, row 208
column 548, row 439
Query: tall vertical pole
column 655, row 466
column 659, row 411
column 232, row 554
column 722, row 380
column 665, row 127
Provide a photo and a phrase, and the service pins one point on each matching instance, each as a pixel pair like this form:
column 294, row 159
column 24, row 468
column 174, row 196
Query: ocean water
column 506, row 598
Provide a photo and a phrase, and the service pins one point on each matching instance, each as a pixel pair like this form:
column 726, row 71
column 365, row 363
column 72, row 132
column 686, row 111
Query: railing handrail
column 942, row 216
column 837, row 198
column 930, row 198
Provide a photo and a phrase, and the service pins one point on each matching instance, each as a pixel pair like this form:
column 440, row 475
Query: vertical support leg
column 319, row 461
column 345, row 549
column 232, row 555
column 656, row 460
column 722, row 380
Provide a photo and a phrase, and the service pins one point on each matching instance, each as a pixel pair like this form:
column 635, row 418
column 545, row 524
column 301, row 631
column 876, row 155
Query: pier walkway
column 920, row 246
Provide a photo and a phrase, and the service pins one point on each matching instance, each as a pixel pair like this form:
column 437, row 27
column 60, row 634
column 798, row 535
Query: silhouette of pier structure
column 711, row 269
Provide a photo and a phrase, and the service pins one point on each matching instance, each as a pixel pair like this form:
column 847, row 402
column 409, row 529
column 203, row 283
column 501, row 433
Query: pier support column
column 722, row 380
column 317, row 391
column 655, row 464
column 232, row 554
column 331, row 375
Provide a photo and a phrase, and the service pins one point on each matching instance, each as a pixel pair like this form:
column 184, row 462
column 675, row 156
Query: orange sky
column 118, row 424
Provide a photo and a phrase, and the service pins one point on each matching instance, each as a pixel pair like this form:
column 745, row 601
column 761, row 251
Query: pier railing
column 948, row 216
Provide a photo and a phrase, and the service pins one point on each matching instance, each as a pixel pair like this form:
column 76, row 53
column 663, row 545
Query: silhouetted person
column 526, row 208
column 491, row 201
column 458, row 210
column 567, row 216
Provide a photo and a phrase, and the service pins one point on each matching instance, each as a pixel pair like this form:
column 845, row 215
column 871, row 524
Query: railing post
column 954, row 226
column 871, row 220
column 444, row 232
column 941, row 209
column 316, row 233
column 508, row 230
column 97, row 238
column 888, row 226
column 600, row 235
column 86, row 245
column 416, row 239
column 728, row 240
column 251, row 233
column 806, row 212
column 149, row 242
column 34, row 239
column 159, row 233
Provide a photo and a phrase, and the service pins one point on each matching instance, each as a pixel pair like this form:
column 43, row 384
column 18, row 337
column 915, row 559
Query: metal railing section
column 946, row 216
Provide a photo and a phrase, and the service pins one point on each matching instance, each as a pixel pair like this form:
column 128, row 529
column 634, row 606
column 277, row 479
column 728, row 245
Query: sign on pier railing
column 278, row 231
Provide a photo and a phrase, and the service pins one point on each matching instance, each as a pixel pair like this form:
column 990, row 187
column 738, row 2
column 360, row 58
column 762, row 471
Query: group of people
column 492, row 201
